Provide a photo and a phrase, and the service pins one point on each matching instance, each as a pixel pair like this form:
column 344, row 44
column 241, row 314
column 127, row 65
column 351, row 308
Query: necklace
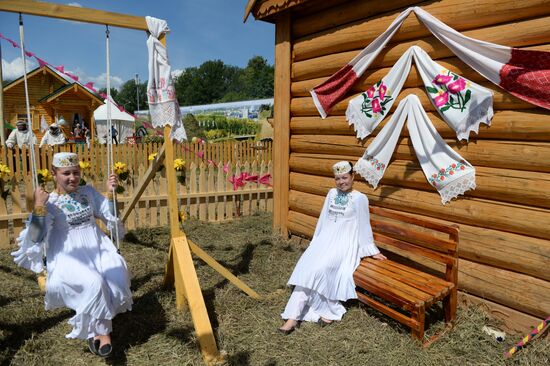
column 342, row 198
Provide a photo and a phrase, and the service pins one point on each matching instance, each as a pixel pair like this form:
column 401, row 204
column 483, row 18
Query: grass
column 154, row 333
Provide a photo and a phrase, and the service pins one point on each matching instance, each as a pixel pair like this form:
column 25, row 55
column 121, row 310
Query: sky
column 200, row 30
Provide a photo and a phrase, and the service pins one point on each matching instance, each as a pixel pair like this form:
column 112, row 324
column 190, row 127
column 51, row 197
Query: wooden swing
column 179, row 268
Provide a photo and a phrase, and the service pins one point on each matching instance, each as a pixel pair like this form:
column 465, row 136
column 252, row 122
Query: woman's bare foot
column 105, row 348
column 103, row 339
column 290, row 324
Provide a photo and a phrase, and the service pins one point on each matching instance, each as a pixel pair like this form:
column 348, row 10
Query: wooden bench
column 408, row 288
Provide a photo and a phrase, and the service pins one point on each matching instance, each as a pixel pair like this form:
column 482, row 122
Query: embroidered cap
column 21, row 123
column 342, row 167
column 65, row 160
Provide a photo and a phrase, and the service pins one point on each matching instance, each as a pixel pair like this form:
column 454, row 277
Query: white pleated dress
column 323, row 275
column 85, row 272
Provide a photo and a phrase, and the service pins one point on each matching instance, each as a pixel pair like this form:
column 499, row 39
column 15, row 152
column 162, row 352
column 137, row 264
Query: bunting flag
column 525, row 74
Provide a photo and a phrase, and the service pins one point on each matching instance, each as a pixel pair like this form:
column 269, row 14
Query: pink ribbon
column 244, row 177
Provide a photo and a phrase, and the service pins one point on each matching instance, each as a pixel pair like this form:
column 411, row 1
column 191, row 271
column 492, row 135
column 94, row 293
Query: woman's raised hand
column 40, row 196
column 112, row 183
column 379, row 256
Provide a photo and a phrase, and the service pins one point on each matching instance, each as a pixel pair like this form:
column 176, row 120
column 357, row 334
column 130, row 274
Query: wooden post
column 281, row 140
column 2, row 127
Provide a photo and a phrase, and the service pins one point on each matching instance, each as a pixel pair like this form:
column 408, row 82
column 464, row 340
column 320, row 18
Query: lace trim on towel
column 458, row 187
column 165, row 113
column 482, row 114
column 370, row 169
column 354, row 118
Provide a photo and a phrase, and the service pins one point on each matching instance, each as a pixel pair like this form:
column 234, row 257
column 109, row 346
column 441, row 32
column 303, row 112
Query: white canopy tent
column 122, row 121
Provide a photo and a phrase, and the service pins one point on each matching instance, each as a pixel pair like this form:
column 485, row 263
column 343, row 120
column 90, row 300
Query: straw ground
column 154, row 333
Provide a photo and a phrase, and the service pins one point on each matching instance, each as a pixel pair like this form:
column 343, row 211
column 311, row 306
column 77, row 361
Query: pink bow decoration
column 29, row 54
column 200, row 154
column 60, row 68
column 225, row 167
column 244, row 177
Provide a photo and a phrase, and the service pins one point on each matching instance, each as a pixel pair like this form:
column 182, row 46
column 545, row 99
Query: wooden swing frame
column 179, row 270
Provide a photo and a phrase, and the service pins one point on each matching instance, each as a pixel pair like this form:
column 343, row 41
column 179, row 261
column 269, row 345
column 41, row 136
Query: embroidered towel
column 161, row 95
column 444, row 168
column 461, row 103
column 525, row 74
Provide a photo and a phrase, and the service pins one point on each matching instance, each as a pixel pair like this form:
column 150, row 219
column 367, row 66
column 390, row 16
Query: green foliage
column 152, row 138
column 214, row 82
column 218, row 126
column 192, row 127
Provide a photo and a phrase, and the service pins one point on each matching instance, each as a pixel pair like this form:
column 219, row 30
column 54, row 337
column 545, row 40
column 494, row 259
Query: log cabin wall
column 505, row 222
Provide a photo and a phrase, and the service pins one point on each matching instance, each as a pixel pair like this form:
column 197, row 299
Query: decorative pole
column 537, row 331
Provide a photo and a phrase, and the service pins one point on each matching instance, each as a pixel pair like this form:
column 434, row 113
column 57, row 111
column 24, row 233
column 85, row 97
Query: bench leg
column 449, row 305
column 419, row 314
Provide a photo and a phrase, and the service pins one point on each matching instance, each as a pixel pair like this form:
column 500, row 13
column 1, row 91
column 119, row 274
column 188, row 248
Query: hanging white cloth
column 161, row 95
column 444, row 168
column 461, row 103
column 525, row 74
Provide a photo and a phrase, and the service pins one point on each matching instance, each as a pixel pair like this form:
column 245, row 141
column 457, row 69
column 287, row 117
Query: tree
column 127, row 96
column 257, row 78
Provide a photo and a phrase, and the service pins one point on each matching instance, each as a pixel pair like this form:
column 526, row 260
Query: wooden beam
column 222, row 270
column 281, row 138
column 68, row 12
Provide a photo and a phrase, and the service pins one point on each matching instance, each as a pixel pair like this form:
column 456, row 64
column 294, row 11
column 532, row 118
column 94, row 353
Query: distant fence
column 205, row 192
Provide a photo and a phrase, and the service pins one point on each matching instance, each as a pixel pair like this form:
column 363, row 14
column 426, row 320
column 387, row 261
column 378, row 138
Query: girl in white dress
column 85, row 271
column 323, row 275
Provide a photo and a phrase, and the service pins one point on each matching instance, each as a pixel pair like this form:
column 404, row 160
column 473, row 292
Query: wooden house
column 505, row 222
column 51, row 95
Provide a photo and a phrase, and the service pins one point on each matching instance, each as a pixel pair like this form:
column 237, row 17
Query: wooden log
column 513, row 320
column 373, row 75
column 471, row 211
column 526, row 188
column 282, row 121
column 514, row 290
column 519, row 253
column 304, row 106
column 345, row 13
column 533, row 156
column 464, row 16
column 527, row 125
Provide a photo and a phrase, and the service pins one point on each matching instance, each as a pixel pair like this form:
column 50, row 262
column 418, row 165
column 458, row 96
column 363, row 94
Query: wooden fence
column 204, row 190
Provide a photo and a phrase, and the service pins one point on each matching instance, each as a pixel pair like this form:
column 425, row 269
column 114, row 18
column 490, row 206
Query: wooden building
column 50, row 95
column 505, row 222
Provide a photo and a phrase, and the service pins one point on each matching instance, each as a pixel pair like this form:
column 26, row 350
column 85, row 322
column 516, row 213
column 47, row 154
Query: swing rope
column 29, row 121
column 110, row 159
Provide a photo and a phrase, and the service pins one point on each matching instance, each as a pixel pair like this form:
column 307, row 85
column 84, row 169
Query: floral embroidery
column 342, row 198
column 446, row 91
column 443, row 173
column 375, row 163
column 375, row 99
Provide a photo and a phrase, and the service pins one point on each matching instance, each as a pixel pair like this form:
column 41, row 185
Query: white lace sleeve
column 30, row 254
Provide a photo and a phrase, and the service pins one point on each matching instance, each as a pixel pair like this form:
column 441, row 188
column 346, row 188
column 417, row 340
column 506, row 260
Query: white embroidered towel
column 461, row 103
column 161, row 95
column 444, row 168
column 523, row 73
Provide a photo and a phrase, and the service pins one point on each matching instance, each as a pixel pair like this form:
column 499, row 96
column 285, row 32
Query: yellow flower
column 84, row 165
column 120, row 168
column 44, row 175
column 179, row 164
column 152, row 156
column 4, row 171
column 194, row 140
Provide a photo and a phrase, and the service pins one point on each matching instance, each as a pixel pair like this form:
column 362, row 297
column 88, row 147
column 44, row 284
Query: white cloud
column 75, row 4
column 14, row 69
column 100, row 81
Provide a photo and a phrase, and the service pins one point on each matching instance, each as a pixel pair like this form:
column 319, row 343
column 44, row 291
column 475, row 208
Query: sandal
column 288, row 331
column 323, row 323
column 93, row 345
column 105, row 350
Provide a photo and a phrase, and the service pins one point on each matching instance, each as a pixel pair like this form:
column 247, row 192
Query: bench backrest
column 417, row 236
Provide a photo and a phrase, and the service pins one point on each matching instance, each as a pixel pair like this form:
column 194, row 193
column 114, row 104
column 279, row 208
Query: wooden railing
column 205, row 193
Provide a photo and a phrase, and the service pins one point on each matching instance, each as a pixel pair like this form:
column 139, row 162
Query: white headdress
column 65, row 160
column 341, row 167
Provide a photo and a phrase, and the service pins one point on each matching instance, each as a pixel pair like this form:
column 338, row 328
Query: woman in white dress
column 85, row 271
column 323, row 275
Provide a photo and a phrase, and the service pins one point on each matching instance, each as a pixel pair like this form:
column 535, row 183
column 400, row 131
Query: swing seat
column 412, row 282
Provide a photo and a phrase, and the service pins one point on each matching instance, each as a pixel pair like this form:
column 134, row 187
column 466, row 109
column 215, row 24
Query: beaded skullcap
column 341, row 167
column 65, row 160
